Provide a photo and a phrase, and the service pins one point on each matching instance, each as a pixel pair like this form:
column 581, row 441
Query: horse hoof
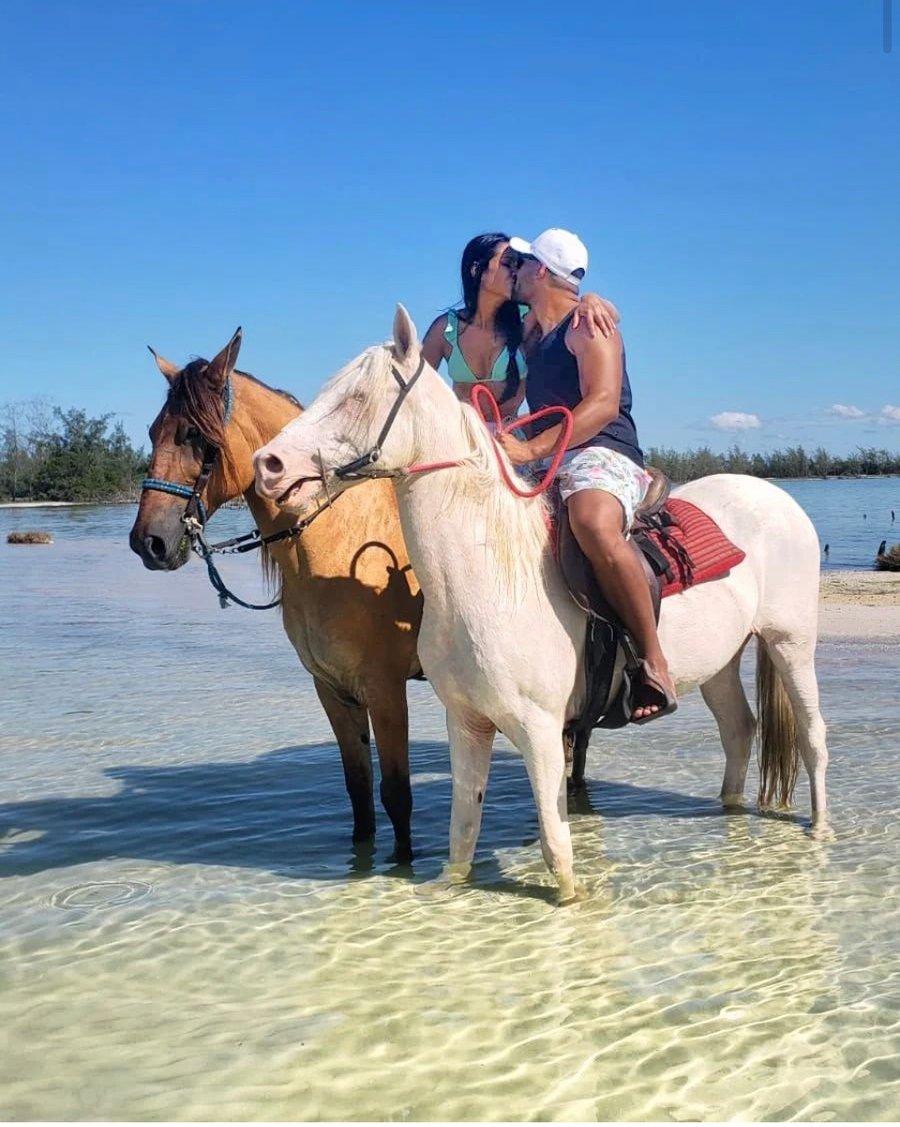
column 402, row 855
column 732, row 801
column 820, row 830
column 443, row 886
column 436, row 890
column 570, row 891
column 457, row 872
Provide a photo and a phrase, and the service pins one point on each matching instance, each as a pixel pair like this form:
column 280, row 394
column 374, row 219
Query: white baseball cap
column 563, row 253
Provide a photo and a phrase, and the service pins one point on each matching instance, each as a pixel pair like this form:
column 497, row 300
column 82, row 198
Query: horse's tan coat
column 351, row 605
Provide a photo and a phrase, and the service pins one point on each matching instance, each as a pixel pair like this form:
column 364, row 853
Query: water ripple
column 100, row 894
column 721, row 967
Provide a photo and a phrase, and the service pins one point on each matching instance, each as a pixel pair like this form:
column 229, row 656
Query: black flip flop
column 649, row 686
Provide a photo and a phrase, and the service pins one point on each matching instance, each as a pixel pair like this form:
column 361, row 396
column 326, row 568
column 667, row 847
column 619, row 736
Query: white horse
column 502, row 640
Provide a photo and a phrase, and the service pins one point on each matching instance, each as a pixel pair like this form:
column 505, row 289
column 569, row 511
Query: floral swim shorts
column 596, row 467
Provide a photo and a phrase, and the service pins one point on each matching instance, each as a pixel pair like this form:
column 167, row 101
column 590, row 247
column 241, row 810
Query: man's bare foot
column 654, row 696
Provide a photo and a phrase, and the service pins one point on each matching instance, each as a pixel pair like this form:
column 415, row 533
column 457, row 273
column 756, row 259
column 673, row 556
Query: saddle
column 678, row 546
column 611, row 663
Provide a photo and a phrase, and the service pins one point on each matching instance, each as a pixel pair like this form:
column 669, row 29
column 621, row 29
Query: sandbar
column 859, row 604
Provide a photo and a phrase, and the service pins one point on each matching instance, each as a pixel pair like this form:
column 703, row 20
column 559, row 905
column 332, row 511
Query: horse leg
column 794, row 659
column 350, row 724
column 537, row 738
column 390, row 725
column 727, row 701
column 471, row 743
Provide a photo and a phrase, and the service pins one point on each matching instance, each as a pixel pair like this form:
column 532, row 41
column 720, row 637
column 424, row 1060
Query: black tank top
column 553, row 381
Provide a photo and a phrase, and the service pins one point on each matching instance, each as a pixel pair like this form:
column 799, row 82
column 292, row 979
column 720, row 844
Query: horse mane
column 516, row 528
column 194, row 399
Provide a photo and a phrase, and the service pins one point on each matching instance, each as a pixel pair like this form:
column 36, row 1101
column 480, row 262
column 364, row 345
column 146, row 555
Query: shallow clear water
column 187, row 933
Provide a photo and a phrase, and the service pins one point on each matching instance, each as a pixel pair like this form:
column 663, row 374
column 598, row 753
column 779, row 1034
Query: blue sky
column 175, row 169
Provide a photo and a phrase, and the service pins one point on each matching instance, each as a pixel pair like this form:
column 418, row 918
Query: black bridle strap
column 351, row 469
column 194, row 505
column 239, row 544
column 205, row 551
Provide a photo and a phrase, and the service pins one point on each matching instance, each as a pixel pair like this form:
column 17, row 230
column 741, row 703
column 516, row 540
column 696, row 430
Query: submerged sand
column 857, row 604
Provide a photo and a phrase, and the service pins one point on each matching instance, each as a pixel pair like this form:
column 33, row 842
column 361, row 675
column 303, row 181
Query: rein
column 236, row 544
column 351, row 471
column 364, row 466
column 480, row 392
column 194, row 519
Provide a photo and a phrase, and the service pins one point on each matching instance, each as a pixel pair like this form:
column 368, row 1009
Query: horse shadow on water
column 286, row 812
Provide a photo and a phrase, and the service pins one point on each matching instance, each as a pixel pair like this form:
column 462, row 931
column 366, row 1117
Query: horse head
column 189, row 439
column 353, row 430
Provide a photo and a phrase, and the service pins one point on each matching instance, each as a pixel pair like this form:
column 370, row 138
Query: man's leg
column 597, row 520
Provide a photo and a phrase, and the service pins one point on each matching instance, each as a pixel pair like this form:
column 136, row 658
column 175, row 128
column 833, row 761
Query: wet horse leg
column 390, row 725
column 537, row 738
column 794, row 658
column 724, row 695
column 471, row 741
column 350, row 723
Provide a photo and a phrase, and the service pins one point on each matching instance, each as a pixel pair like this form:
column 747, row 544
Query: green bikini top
column 457, row 368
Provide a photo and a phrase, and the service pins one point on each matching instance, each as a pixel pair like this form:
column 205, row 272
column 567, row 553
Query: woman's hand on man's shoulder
column 595, row 315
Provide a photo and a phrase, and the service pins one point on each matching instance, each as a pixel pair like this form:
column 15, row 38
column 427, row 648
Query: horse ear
column 167, row 368
column 221, row 366
column 406, row 339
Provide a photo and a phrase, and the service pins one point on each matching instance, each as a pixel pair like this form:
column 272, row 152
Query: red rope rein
column 479, row 393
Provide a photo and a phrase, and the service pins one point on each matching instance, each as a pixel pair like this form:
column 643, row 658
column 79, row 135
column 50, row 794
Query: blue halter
column 192, row 492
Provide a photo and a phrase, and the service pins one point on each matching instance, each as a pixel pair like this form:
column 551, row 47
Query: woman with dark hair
column 481, row 339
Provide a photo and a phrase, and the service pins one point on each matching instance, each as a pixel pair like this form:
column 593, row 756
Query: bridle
column 361, row 468
column 194, row 515
column 194, row 519
column 364, row 467
column 353, row 471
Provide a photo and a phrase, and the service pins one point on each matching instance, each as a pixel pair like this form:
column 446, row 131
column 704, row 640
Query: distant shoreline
column 60, row 504
column 42, row 504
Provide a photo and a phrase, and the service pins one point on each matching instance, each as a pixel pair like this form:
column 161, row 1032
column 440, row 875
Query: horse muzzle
column 160, row 553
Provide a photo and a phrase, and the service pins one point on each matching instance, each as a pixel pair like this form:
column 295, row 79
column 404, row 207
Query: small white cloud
column 846, row 412
column 735, row 420
column 890, row 414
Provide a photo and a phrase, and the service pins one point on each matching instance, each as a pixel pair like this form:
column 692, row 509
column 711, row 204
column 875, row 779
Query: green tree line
column 795, row 461
column 47, row 454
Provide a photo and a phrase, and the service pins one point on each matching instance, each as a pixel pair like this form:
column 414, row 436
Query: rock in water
column 29, row 538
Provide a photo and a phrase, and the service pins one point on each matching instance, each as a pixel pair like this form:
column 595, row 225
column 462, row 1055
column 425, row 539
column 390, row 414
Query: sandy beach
column 859, row 604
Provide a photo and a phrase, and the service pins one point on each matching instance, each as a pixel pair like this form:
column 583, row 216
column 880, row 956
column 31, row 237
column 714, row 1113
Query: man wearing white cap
column 603, row 478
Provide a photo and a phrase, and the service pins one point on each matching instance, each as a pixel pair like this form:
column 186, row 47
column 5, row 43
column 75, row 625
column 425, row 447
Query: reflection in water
column 187, row 931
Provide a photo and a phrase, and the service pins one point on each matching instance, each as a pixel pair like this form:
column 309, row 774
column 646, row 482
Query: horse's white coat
column 501, row 639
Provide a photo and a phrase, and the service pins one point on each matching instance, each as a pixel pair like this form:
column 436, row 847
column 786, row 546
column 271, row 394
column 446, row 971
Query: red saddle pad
column 709, row 550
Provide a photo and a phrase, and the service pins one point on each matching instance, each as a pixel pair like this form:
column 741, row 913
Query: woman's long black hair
column 475, row 259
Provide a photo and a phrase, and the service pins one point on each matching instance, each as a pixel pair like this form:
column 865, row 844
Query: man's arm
column 600, row 376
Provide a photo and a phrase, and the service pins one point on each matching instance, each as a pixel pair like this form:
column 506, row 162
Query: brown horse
column 351, row 605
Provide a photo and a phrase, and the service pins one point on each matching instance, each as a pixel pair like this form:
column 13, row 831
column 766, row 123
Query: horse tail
column 779, row 749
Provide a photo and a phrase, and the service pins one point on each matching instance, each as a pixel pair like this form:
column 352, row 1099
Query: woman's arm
column 435, row 346
column 597, row 313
